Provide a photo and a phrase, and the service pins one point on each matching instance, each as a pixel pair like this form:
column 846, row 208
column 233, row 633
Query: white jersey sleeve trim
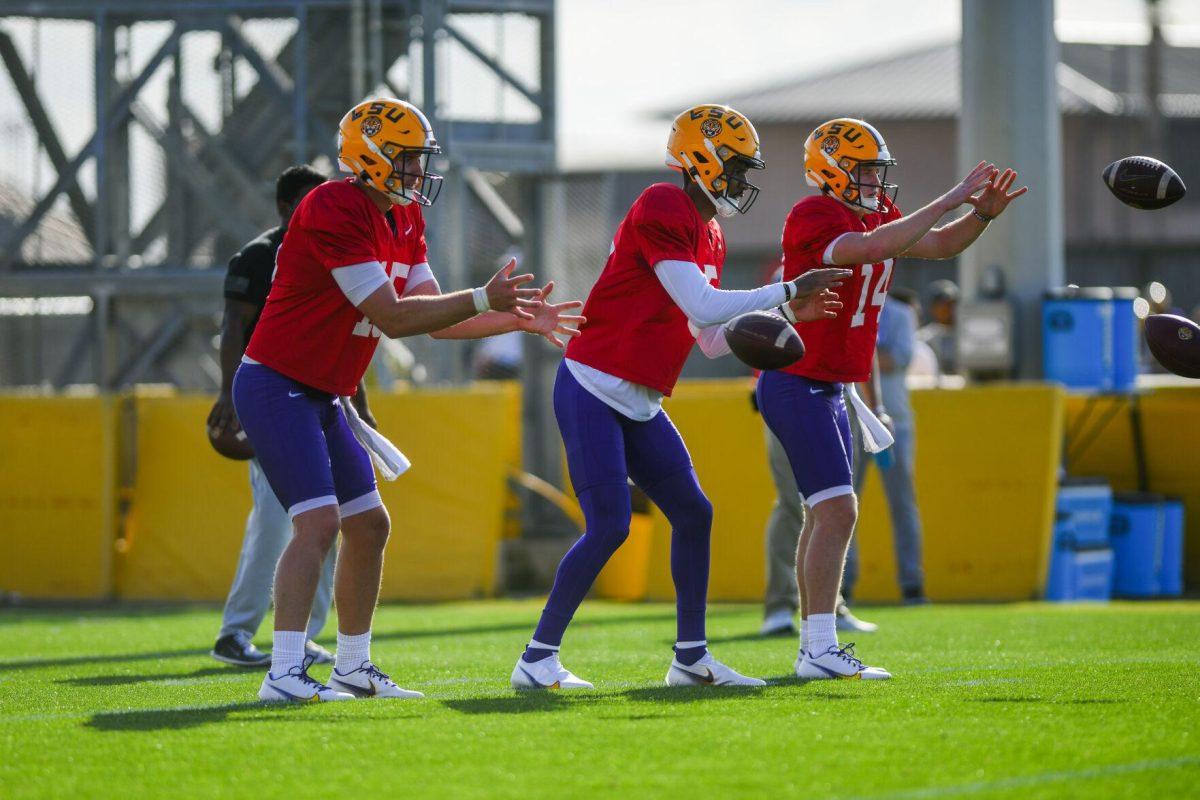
column 418, row 275
column 358, row 281
column 827, row 258
column 712, row 340
column 706, row 306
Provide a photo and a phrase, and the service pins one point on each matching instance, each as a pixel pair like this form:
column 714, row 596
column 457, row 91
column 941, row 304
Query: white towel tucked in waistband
column 386, row 457
column 876, row 437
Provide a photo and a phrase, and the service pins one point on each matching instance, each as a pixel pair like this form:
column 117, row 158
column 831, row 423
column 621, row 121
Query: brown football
column 1175, row 342
column 231, row 444
column 764, row 341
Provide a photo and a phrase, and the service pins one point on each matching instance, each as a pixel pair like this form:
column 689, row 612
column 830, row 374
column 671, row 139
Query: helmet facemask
column 855, row 171
column 728, row 191
column 426, row 185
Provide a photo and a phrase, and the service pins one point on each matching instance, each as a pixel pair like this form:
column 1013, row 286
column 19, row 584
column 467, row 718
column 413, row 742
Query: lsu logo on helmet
column 715, row 146
column 836, row 155
column 386, row 143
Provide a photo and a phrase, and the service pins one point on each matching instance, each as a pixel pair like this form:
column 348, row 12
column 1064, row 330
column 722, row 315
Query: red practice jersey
column 309, row 331
column 634, row 330
column 837, row 350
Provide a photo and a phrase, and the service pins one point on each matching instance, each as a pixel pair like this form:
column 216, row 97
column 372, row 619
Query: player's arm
column 705, row 306
column 368, row 287
column 899, row 236
column 238, row 314
column 872, row 394
column 950, row 240
column 549, row 321
column 360, row 405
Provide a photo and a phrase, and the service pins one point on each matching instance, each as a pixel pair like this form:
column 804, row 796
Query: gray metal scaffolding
column 155, row 282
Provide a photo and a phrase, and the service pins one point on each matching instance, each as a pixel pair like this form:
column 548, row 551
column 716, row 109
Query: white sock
column 352, row 651
column 804, row 626
column 822, row 632
column 287, row 651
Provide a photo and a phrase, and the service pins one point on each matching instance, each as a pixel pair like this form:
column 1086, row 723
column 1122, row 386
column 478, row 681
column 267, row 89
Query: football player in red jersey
column 854, row 222
column 353, row 266
column 655, row 298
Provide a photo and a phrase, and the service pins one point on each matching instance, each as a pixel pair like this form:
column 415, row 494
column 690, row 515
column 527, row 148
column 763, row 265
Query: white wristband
column 789, row 290
column 479, row 295
column 788, row 314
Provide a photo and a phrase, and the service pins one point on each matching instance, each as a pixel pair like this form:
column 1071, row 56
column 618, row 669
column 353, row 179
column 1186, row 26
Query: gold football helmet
column 837, row 153
column 386, row 143
column 715, row 146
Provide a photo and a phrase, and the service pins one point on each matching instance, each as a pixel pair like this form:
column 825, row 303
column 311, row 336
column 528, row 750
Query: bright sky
column 620, row 61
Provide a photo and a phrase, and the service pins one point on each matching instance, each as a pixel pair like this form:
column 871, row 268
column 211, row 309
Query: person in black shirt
column 268, row 528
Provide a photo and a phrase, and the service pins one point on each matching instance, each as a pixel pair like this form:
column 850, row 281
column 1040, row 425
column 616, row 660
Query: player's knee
column 317, row 528
column 836, row 515
column 697, row 517
column 370, row 528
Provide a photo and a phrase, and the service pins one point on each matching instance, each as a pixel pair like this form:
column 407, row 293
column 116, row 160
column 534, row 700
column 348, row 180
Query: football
column 764, row 341
column 1143, row 182
column 1175, row 342
column 231, row 444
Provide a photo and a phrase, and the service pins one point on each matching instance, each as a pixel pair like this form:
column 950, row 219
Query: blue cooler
column 1171, row 580
column 1088, row 504
column 1081, row 562
column 1137, row 542
column 1125, row 339
column 1077, row 337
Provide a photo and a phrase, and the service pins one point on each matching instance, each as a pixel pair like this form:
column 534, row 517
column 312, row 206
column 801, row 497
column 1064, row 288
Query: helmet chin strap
column 724, row 206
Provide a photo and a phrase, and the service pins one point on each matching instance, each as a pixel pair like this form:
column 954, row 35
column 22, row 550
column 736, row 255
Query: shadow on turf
column 165, row 719
column 125, row 680
column 534, row 702
column 524, row 626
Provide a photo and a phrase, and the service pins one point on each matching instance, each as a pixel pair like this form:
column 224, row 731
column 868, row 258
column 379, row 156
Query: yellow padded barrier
column 188, row 513
column 725, row 439
column 448, row 510
column 986, row 471
column 190, row 505
column 986, row 475
column 1171, row 440
column 57, row 496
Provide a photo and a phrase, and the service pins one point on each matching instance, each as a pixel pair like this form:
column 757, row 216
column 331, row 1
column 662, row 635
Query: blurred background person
column 939, row 332
column 268, row 528
column 897, row 342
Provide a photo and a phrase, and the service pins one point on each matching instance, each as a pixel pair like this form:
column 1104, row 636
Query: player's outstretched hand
column 505, row 293
column 824, row 304
column 995, row 196
column 550, row 319
column 223, row 416
column 815, row 281
column 976, row 180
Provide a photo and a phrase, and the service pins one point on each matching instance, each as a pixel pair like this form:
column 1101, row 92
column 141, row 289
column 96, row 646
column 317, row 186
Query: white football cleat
column 369, row 681
column 295, row 686
column 778, row 623
column 846, row 621
column 707, row 672
column 546, row 674
column 839, row 663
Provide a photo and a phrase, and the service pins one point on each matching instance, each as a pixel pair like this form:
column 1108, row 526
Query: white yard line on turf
column 1040, row 778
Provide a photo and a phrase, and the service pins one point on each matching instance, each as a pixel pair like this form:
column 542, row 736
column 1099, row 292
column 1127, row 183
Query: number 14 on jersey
column 876, row 295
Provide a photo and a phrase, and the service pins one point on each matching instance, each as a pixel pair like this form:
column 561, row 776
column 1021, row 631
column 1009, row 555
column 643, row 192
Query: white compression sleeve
column 418, row 276
column 712, row 340
column 706, row 306
column 358, row 281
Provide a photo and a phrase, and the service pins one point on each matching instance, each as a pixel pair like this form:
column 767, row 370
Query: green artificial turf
column 1022, row 701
